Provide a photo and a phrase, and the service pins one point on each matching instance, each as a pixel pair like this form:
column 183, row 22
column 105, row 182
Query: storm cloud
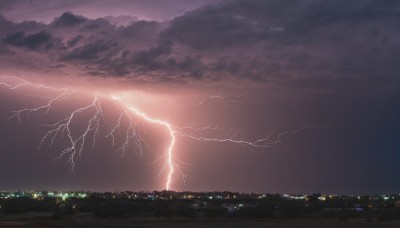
column 256, row 40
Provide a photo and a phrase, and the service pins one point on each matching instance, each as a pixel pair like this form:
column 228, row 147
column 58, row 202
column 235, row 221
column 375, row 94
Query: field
column 37, row 220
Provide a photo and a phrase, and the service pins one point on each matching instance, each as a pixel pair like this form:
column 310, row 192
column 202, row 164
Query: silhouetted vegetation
column 24, row 204
column 211, row 205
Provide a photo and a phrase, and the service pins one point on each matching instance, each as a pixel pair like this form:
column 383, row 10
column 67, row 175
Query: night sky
column 318, row 78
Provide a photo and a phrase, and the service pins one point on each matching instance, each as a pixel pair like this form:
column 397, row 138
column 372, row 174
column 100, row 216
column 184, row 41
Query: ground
column 37, row 220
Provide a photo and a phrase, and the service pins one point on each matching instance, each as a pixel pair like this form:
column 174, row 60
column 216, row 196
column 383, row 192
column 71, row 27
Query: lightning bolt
column 62, row 128
column 26, row 111
column 163, row 123
column 76, row 143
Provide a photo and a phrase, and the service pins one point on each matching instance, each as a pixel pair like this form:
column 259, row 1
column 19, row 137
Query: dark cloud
column 259, row 40
column 283, row 37
column 92, row 51
column 74, row 41
column 5, row 25
column 68, row 19
column 220, row 30
column 149, row 58
column 140, row 28
column 32, row 41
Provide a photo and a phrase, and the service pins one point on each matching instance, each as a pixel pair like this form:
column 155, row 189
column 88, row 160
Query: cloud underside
column 264, row 41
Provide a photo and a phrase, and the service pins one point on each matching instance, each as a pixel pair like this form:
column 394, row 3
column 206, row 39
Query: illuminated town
column 200, row 204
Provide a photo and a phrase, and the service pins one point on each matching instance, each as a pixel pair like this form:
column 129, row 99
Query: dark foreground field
column 87, row 220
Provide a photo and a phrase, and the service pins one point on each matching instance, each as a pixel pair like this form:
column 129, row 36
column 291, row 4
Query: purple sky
column 46, row 10
column 328, row 68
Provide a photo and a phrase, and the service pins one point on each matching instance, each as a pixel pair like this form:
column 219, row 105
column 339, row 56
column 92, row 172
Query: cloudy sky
column 317, row 78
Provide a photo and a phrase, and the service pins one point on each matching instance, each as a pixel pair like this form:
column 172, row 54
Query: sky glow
column 200, row 95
